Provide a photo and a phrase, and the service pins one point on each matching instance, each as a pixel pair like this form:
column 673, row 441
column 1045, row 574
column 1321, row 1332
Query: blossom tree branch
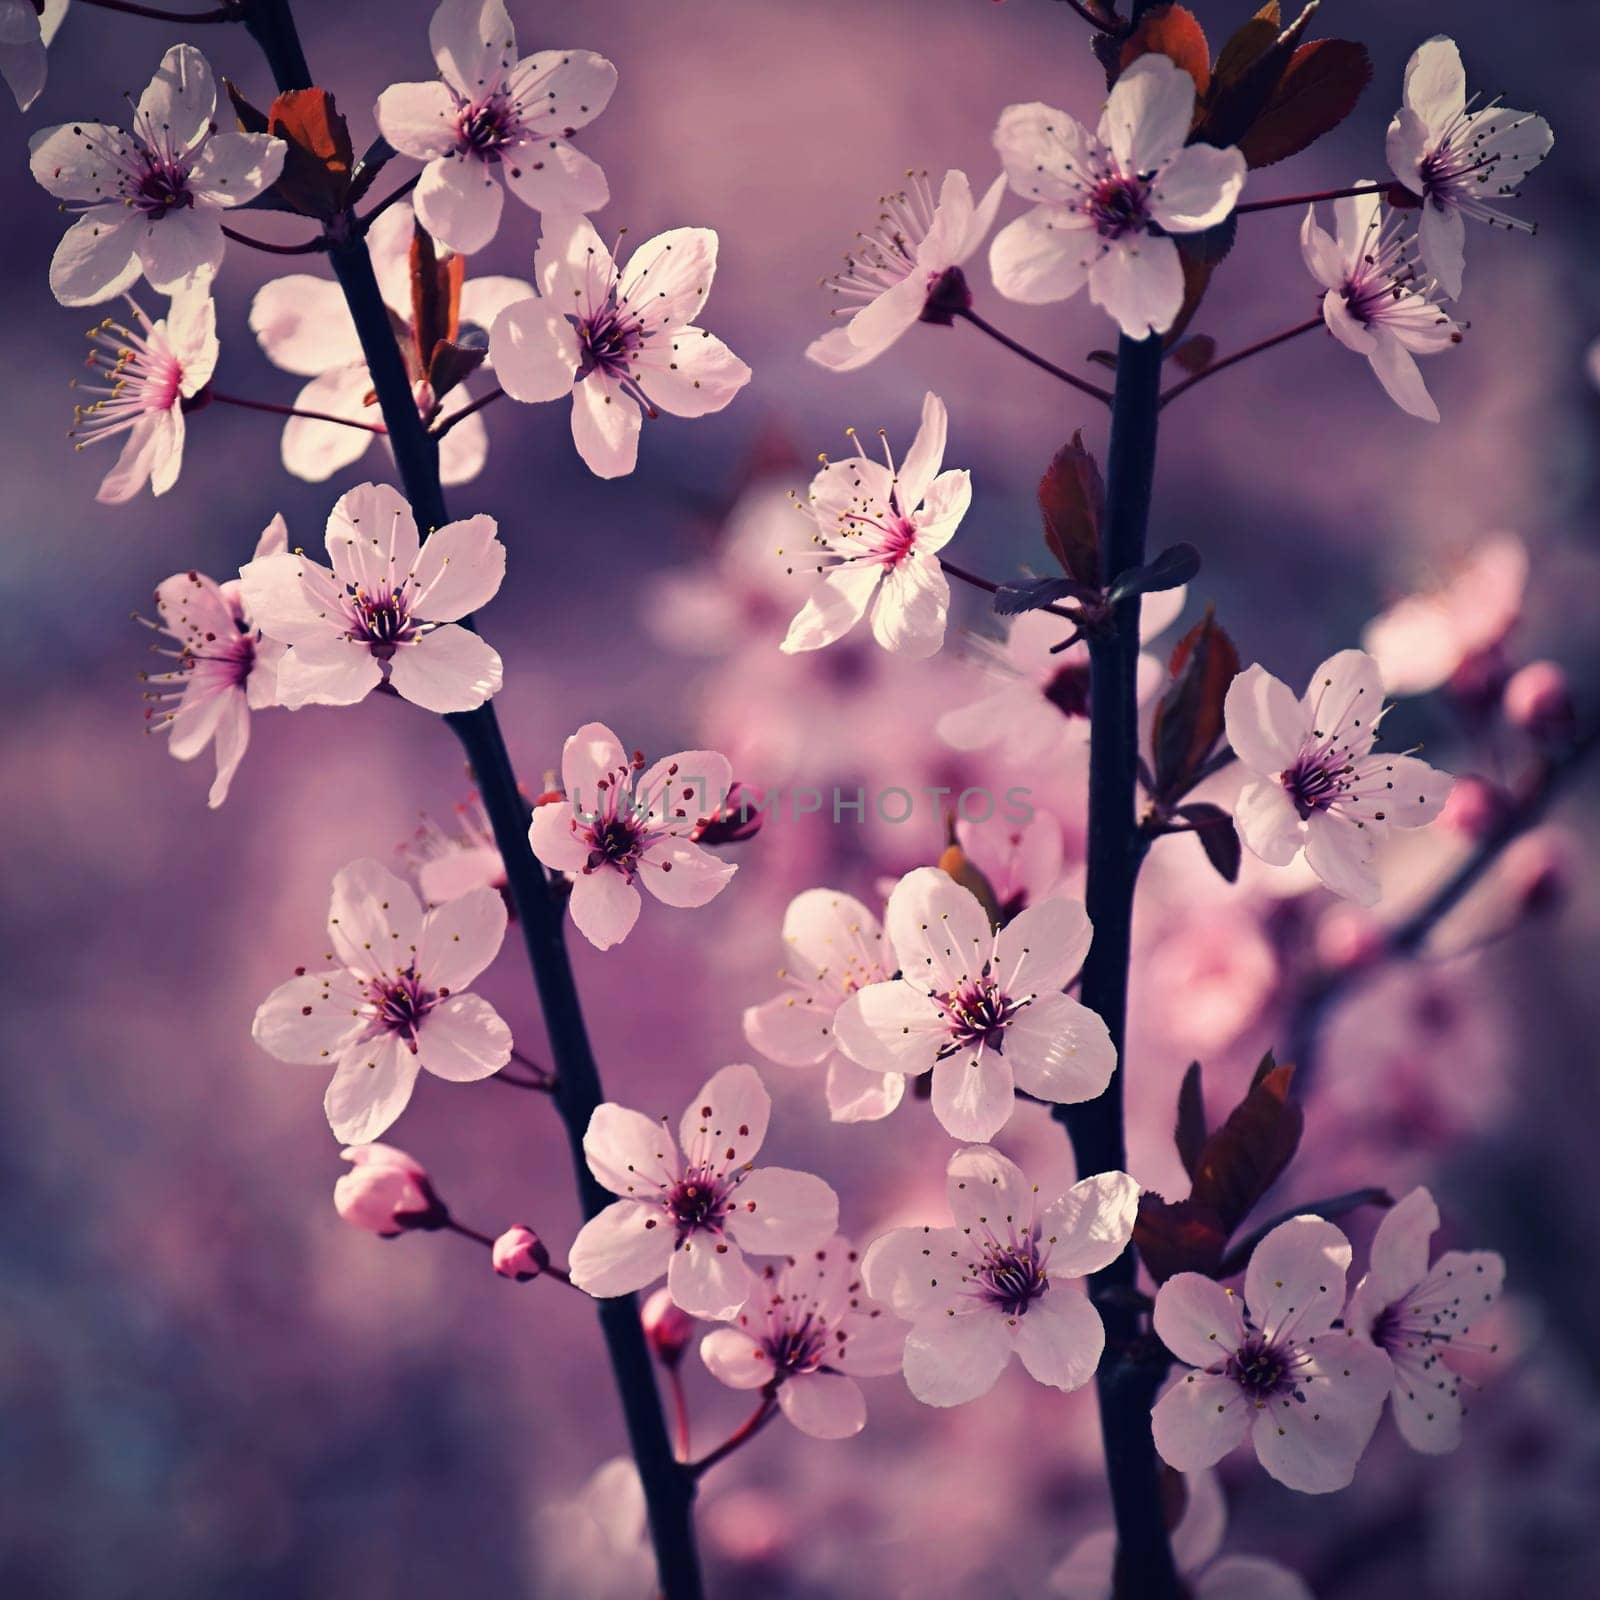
column 1312, row 199
column 307, row 248
column 447, row 423
column 1269, row 343
column 1126, row 1381
column 668, row 1489
column 231, row 12
column 1324, row 992
column 1082, row 385
column 214, row 397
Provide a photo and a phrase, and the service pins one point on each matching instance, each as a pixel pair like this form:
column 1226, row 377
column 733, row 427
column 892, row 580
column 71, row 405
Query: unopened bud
column 667, row 1330
column 386, row 1192
column 1538, row 868
column 519, row 1255
column 1538, row 700
column 1347, row 938
column 734, row 821
column 1474, row 808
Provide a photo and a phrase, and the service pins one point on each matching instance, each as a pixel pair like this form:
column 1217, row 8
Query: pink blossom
column 1038, row 706
column 151, row 199
column 1021, row 861
column 874, row 551
column 1099, row 198
column 620, row 341
column 1308, row 1394
column 27, row 28
column 807, row 1332
column 225, row 669
column 596, row 1546
column 995, row 1284
column 1538, row 700
column 667, row 1330
column 446, row 863
column 147, row 372
column 1426, row 639
column 1088, row 1570
column 907, row 269
column 983, row 1011
column 492, row 118
column 303, row 326
column 691, row 1211
column 387, row 611
column 1460, row 162
column 834, row 947
column 1316, row 783
column 1418, row 1314
column 385, row 1191
column 621, row 825
column 1378, row 303
column 519, row 1255
column 395, row 1003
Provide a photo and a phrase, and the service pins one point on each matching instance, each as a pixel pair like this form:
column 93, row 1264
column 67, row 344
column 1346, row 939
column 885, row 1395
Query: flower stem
column 680, row 1412
column 1116, row 847
column 447, row 423
column 742, row 1435
column 388, row 200
column 668, row 1489
column 276, row 410
column 1323, row 992
column 1311, row 199
column 1242, row 355
column 990, row 587
column 309, row 247
column 452, row 1226
column 1082, row 385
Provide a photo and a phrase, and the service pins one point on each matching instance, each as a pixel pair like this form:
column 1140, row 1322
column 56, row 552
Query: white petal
column 951, row 1359
column 534, row 351
column 911, row 608
column 1197, row 189
column 1341, row 854
column 463, row 1038
column 181, row 98
column 181, row 245
column 1044, row 152
column 371, row 1087
column 890, row 1027
column 1090, row 1225
column 627, row 1152
column 236, row 167
column 605, row 427
column 1198, row 1320
column 314, row 450
column 1266, row 724
column 988, row 1192
column 328, row 672
column 372, row 538
column 667, row 278
column 1436, row 82
column 1060, row 1050
column 302, row 325
column 692, row 375
column 734, row 1358
column 791, row 1029
column 779, row 1212
column 550, row 175
column 825, row 1405
column 939, row 931
column 1401, row 377
column 912, row 1270
column 450, row 669
column 1268, row 821
column 1199, row 1420
column 418, row 119
column 1398, row 1260
column 727, row 1119
column 856, row 1094
column 1314, row 1445
column 1295, row 1283
column 1139, row 281
column 460, row 938
column 836, row 604
column 1442, row 233
column 459, row 200
column 311, row 1018
column 96, row 258
column 1038, row 258
column 554, row 838
column 604, row 907
column 973, row 1094
column 1147, row 116
column 1059, row 1339
column 709, row 1277
column 374, row 919
column 621, row 1249
column 1042, row 947
column 459, row 569
column 925, row 457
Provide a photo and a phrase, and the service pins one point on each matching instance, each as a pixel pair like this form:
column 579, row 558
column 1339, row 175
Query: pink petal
column 458, row 200
column 734, row 1358
column 460, row 938
column 939, row 931
column 418, row 119
column 309, row 1019
column 825, row 1405
column 1147, row 117
column 668, row 277
column 1060, row 1050
column 1090, row 1225
column 791, row 1029
column 1314, row 1445
column 549, row 175
column 972, row 1094
column 327, row 672
column 554, row 839
column 622, row 1249
column 1295, row 1283
column 1059, row 1339
column 1199, row 1420
column 372, row 538
column 727, row 1119
column 374, row 920
column 1140, row 284
column 96, row 258
column 605, row 427
column 473, row 43
column 534, row 351
column 953, row 1359
column 628, row 1153
column 709, row 1278
column 989, row 1193
column 459, row 569
column 604, row 906
column 237, row 167
column 371, row 1086
column 449, row 669
column 463, row 1038
column 1197, row 1319
column 890, row 1027
column 855, row 1094
column 681, row 874
column 779, row 1212
column 1043, row 947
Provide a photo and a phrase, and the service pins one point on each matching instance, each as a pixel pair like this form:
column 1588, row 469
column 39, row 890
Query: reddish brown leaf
column 1178, row 1236
column 452, row 364
column 1247, row 72
column 1318, row 90
column 316, row 169
column 1196, row 354
column 1190, row 1133
column 1188, row 717
column 1072, row 500
column 955, row 861
column 435, row 296
column 251, row 118
column 1173, row 32
column 1248, row 1153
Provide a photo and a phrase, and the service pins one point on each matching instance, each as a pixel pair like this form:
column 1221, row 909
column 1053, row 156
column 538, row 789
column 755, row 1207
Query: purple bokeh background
column 207, row 1384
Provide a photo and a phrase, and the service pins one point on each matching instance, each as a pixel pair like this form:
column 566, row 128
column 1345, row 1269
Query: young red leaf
column 1188, row 717
column 1249, row 1152
column 435, row 295
column 1194, row 354
column 1072, row 500
column 1178, row 1236
column 1248, row 72
column 1214, row 828
column 316, row 169
column 1318, row 90
column 1173, row 32
column 1190, row 1133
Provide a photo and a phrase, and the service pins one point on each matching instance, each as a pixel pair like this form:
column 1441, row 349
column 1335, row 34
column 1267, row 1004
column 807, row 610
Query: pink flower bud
column 667, row 1329
column 1538, row 700
column 1347, row 937
column 385, row 1192
column 1474, row 807
column 1538, row 869
column 519, row 1255
column 738, row 818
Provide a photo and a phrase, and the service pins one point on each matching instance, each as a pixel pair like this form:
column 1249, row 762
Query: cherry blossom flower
column 151, row 199
column 1378, row 303
column 27, row 28
column 225, row 669
column 386, row 612
column 395, row 1004
column 490, row 119
column 1458, row 161
column 994, row 1285
column 806, row 1333
column 692, row 1211
column 596, row 1546
column 1100, row 198
column 448, row 862
column 385, row 1191
column 1417, row 1315
column 1022, row 862
column 983, row 1010
column 835, row 947
column 1317, row 784
column 621, row 825
column 1308, row 1394
column 620, row 341
column 1039, row 707
column 1088, row 1570
column 303, row 326
column 1425, row 640
column 908, row 269
column 148, row 373
column 878, row 533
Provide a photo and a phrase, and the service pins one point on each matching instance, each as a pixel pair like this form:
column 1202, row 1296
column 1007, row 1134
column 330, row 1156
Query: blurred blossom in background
column 209, row 1385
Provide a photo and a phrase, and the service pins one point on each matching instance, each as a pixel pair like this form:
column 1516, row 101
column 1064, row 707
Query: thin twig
column 1241, row 355
column 389, row 200
column 742, row 1435
column 1311, row 199
column 276, row 410
column 447, row 423
column 1082, row 385
column 310, row 247
column 990, row 587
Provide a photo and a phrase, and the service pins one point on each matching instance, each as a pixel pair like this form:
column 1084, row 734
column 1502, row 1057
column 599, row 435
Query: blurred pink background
column 208, row 1385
